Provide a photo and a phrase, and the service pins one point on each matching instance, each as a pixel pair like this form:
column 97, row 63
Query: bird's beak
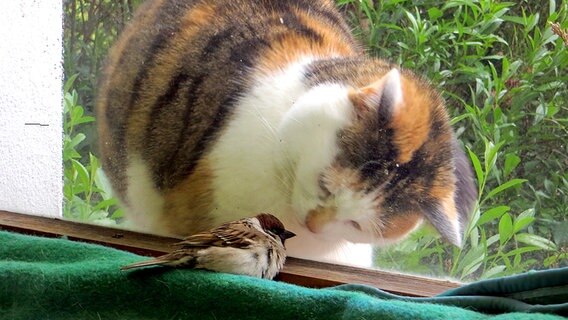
column 286, row 235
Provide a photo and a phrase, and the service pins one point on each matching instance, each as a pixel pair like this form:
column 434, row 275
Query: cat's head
column 374, row 159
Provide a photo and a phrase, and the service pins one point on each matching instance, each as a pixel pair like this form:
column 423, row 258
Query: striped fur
column 209, row 111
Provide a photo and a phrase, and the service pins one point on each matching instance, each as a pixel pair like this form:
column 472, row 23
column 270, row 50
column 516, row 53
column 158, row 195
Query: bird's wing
column 234, row 234
column 177, row 258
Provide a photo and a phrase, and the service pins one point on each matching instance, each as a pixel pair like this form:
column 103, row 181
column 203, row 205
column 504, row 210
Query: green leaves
column 435, row 13
column 479, row 172
column 505, row 228
column 86, row 195
column 537, row 241
column 525, row 219
column 69, row 145
column 492, row 214
column 503, row 187
column 471, row 262
column 511, row 163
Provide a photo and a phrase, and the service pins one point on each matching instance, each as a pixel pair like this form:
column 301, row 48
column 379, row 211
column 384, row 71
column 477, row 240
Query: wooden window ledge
column 301, row 272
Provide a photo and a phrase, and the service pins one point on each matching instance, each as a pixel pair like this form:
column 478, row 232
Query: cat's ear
column 457, row 210
column 396, row 102
column 451, row 215
column 445, row 218
column 384, row 95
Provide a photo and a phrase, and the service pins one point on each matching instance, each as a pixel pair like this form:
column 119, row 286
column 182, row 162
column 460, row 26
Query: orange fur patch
column 318, row 218
column 400, row 226
column 448, row 204
column 293, row 47
column 188, row 204
column 357, row 98
column 411, row 123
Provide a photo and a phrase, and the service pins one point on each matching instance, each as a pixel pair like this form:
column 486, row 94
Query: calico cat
column 210, row 111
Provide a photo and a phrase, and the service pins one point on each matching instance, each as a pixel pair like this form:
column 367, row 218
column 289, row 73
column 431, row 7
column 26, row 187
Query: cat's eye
column 371, row 169
column 355, row 225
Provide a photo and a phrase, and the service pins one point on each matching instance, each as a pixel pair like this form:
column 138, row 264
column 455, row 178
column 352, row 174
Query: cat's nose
column 318, row 218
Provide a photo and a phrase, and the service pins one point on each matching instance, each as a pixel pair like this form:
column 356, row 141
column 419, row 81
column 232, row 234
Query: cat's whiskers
column 267, row 125
column 283, row 174
column 376, row 226
column 295, row 119
column 286, row 186
column 290, row 165
column 288, row 172
column 297, row 219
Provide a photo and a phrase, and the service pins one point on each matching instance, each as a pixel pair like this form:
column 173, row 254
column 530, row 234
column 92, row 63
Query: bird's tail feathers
column 177, row 258
column 146, row 263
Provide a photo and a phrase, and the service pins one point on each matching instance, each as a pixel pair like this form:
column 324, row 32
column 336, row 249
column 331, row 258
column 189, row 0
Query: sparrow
column 250, row 246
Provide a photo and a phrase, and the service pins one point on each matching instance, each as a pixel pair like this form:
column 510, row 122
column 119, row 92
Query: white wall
column 31, row 92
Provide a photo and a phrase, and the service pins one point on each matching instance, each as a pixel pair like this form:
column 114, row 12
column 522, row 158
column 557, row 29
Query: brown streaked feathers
column 251, row 246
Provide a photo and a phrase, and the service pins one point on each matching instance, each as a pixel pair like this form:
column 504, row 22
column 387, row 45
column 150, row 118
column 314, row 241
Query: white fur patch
column 244, row 158
column 281, row 137
column 306, row 245
column 393, row 89
column 308, row 133
column 355, row 207
column 144, row 202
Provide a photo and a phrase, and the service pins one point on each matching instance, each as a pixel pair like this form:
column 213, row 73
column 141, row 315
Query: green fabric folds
column 44, row 278
column 535, row 291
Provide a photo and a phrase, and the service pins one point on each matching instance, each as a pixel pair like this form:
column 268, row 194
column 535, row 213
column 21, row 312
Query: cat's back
column 174, row 77
column 178, row 68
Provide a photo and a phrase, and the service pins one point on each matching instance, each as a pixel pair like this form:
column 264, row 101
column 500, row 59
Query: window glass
column 500, row 66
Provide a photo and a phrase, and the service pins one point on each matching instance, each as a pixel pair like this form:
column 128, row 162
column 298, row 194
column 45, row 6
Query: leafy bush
column 500, row 66
column 90, row 28
column 502, row 70
column 86, row 192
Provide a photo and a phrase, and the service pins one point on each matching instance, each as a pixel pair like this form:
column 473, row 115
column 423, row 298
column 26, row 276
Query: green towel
column 44, row 278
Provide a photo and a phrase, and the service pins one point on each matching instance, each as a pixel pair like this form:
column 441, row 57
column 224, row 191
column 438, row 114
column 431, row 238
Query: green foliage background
column 498, row 64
